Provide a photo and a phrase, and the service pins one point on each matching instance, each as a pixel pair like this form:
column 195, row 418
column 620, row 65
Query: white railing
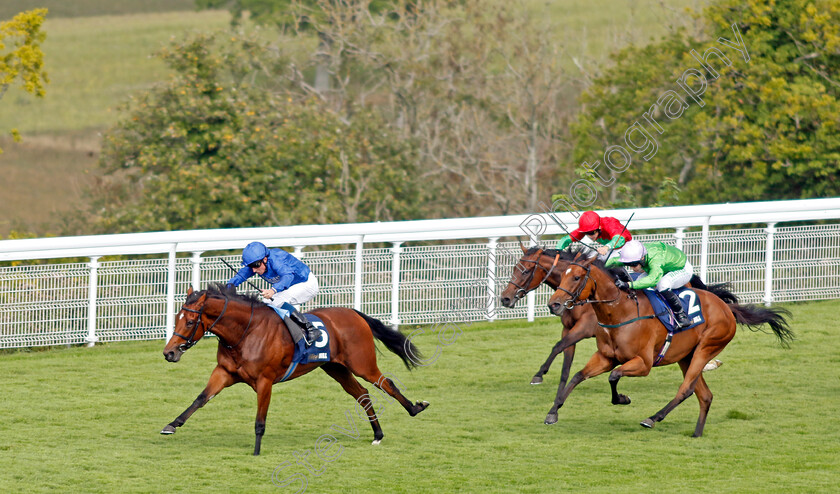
column 101, row 300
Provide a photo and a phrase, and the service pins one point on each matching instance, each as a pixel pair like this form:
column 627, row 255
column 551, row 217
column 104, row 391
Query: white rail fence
column 402, row 283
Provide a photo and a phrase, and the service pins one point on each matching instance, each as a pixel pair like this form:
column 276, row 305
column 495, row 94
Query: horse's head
column 189, row 326
column 534, row 267
column 576, row 284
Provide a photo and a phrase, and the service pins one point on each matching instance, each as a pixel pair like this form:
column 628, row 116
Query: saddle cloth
column 690, row 303
column 318, row 352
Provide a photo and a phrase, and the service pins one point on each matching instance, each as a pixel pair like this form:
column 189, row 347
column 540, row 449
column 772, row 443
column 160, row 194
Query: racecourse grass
column 87, row 420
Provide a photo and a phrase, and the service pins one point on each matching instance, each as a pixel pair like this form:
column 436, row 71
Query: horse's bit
column 189, row 341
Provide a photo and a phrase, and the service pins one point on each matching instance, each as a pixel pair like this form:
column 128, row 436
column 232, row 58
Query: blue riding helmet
column 253, row 252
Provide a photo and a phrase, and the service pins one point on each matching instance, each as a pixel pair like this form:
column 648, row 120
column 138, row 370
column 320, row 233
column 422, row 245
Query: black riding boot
column 674, row 302
column 310, row 332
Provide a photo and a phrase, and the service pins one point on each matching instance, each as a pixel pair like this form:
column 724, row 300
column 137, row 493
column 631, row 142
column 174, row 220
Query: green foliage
column 768, row 129
column 219, row 146
column 21, row 58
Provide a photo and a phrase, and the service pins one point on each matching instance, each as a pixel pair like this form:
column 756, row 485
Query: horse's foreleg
column 357, row 391
column 219, row 380
column 598, row 364
column 263, row 389
column 692, row 374
column 566, row 344
column 634, row 367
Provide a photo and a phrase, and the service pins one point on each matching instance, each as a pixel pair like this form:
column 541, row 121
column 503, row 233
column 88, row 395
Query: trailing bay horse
column 255, row 348
column 631, row 340
column 538, row 265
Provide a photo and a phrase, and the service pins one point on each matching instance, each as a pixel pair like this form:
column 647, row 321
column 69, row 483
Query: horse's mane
column 221, row 290
column 616, row 272
column 565, row 255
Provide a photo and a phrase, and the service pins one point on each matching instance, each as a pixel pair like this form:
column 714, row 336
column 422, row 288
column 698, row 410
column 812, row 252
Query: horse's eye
column 190, row 323
column 577, row 278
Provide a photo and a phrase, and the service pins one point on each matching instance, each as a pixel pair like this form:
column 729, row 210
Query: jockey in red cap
column 607, row 231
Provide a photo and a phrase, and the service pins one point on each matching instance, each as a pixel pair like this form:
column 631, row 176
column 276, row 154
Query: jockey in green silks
column 665, row 268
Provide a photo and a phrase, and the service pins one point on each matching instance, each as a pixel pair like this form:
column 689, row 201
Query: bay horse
column 631, row 339
column 255, row 348
column 539, row 265
column 578, row 323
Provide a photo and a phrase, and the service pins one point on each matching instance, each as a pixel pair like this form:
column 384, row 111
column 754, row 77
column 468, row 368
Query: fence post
column 704, row 250
column 91, row 337
column 768, row 266
column 491, row 278
column 170, row 293
column 298, row 251
column 357, row 293
column 531, row 298
column 679, row 235
column 395, row 285
column 196, row 270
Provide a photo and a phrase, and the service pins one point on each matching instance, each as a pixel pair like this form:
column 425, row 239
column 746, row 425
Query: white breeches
column 674, row 279
column 297, row 294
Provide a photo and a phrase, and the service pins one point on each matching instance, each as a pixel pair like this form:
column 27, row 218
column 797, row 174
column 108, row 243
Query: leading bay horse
column 255, row 348
column 631, row 340
column 537, row 266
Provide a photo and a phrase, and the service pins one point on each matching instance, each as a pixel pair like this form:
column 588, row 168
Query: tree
column 767, row 125
column 21, row 58
column 221, row 146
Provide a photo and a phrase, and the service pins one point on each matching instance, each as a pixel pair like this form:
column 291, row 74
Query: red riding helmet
column 589, row 221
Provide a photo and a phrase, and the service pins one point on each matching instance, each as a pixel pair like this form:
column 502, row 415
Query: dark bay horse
column 538, row 266
column 631, row 338
column 255, row 348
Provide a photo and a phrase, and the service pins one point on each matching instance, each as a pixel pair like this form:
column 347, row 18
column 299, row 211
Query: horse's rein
column 573, row 297
column 189, row 342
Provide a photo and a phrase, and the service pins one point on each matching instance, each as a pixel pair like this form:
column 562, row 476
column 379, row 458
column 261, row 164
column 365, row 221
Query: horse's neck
column 620, row 308
column 230, row 323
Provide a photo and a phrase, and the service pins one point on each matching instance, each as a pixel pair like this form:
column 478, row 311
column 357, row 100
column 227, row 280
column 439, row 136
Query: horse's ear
column 524, row 250
column 189, row 290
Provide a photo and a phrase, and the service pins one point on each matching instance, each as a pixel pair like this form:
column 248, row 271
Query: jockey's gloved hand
column 622, row 285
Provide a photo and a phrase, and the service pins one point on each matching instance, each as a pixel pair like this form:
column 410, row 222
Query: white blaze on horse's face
column 180, row 316
column 568, row 270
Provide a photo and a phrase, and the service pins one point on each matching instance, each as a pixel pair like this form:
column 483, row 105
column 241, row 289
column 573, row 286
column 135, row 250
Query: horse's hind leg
column 371, row 373
column 219, row 380
column 357, row 391
column 704, row 396
column 693, row 373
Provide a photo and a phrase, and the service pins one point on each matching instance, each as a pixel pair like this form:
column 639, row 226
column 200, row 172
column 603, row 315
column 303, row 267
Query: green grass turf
column 87, row 420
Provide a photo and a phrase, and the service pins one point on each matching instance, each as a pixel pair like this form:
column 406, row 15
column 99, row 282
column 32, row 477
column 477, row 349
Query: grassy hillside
column 87, row 420
column 96, row 62
column 87, row 8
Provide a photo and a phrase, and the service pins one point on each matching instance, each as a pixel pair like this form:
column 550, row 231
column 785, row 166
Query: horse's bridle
column 189, row 341
column 573, row 297
column 522, row 290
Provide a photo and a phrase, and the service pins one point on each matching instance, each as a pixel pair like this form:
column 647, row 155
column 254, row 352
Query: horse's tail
column 753, row 316
column 394, row 340
column 722, row 290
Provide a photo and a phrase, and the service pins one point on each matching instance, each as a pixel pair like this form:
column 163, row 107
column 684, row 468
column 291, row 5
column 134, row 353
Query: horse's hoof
column 551, row 419
column 376, row 442
column 622, row 400
column 419, row 407
column 168, row 430
column 649, row 423
column 536, row 380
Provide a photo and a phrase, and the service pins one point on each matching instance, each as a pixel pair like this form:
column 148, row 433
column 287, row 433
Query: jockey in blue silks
column 292, row 283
